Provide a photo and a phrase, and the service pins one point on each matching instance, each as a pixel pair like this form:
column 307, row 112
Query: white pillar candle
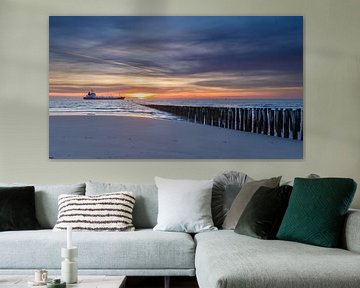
column 69, row 237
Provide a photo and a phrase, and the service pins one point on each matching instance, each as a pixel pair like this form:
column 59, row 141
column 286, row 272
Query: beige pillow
column 243, row 198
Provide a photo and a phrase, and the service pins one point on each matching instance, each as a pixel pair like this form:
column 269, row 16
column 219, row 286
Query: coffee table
column 84, row 281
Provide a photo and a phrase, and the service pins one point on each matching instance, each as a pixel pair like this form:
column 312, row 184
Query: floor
column 158, row 282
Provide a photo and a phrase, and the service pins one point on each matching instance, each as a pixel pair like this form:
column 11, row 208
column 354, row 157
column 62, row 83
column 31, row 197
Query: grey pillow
column 243, row 198
column 310, row 176
column 226, row 187
column 146, row 204
column 184, row 205
column 46, row 200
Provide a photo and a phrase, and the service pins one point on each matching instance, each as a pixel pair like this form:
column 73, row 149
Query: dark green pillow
column 263, row 214
column 316, row 211
column 17, row 208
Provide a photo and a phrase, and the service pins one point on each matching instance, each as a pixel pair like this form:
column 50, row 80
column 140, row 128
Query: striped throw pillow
column 105, row 212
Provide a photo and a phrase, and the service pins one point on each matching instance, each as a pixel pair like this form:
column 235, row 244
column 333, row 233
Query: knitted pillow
column 105, row 212
column 317, row 210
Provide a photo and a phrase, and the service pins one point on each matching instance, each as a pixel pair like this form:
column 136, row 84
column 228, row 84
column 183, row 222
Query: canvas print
column 156, row 87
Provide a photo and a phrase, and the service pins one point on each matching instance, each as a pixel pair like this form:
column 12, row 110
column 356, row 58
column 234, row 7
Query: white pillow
column 184, row 205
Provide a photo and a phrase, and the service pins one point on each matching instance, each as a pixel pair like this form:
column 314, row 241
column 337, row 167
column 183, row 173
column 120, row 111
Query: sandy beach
column 121, row 137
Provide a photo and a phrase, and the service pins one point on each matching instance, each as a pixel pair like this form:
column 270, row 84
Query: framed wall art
column 171, row 87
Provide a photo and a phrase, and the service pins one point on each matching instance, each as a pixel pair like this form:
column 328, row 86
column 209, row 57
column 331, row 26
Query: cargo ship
column 91, row 95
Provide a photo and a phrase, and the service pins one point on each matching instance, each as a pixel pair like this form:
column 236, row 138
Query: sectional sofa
column 219, row 259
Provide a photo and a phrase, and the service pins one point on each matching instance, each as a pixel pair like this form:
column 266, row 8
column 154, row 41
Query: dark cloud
column 181, row 46
column 262, row 79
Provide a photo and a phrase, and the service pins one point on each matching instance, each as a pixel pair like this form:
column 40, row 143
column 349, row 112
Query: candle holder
column 69, row 271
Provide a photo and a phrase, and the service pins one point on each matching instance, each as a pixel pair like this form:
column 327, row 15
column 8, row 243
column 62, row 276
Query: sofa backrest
column 146, row 203
column 46, row 200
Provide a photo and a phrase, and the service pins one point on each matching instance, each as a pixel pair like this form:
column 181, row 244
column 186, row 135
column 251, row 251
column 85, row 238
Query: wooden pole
column 274, row 122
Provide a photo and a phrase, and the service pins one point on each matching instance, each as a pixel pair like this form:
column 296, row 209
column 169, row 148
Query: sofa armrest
column 351, row 234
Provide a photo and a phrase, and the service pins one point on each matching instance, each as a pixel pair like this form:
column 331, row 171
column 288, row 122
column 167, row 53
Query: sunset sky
column 176, row 57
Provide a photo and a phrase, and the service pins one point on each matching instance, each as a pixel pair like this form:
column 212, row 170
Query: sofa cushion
column 143, row 249
column 350, row 239
column 146, row 205
column 317, row 209
column 263, row 215
column 17, row 208
column 243, row 198
column 46, row 200
column 184, row 205
column 105, row 212
column 226, row 187
column 225, row 259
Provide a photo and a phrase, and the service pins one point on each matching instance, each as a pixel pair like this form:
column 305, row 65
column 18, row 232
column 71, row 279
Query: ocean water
column 129, row 107
column 241, row 103
column 77, row 106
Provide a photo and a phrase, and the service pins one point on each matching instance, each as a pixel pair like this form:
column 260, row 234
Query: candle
column 69, row 237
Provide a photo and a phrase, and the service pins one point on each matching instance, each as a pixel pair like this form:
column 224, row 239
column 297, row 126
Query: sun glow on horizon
column 182, row 93
column 139, row 95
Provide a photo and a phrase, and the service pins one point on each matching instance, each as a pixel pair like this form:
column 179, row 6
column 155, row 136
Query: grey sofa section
column 146, row 204
column 145, row 250
column 225, row 259
column 221, row 259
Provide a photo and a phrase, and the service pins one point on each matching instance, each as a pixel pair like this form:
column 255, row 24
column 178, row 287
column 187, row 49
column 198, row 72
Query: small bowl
column 56, row 283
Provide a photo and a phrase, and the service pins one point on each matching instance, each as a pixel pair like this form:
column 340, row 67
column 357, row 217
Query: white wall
column 331, row 74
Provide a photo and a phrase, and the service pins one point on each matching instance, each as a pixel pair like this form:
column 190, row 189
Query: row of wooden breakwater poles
column 280, row 122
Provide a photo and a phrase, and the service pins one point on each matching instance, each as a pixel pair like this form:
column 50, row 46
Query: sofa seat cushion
column 226, row 259
column 142, row 249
